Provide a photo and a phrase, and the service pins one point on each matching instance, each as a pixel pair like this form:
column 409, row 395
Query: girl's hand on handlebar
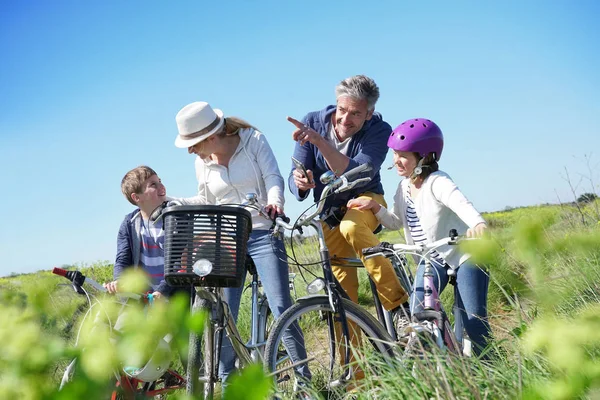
column 157, row 295
column 303, row 183
column 364, row 204
column 111, row 287
column 477, row 231
column 273, row 210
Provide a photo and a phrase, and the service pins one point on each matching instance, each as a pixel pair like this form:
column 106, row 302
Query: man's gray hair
column 359, row 87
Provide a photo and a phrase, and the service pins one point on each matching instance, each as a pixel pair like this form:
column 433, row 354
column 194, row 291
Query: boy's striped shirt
column 152, row 257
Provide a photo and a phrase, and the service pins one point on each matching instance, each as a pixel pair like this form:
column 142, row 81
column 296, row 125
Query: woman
column 234, row 159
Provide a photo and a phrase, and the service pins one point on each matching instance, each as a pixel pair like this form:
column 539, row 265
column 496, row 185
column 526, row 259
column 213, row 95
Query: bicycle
column 430, row 328
column 326, row 320
column 206, row 247
column 149, row 381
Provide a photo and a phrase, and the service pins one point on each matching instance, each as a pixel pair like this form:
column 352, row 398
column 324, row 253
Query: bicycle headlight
column 202, row 267
column 316, row 286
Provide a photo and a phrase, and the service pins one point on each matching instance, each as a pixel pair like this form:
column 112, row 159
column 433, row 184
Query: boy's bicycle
column 149, row 381
column 430, row 326
column 206, row 247
column 326, row 320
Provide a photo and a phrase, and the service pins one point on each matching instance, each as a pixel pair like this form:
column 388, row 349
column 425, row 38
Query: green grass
column 543, row 305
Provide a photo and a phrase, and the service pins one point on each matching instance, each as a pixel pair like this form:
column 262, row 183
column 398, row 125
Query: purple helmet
column 418, row 135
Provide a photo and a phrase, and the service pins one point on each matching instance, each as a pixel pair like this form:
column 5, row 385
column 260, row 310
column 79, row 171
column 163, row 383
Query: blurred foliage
column 544, row 263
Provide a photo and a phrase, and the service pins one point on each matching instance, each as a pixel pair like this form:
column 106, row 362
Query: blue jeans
column 470, row 300
column 270, row 259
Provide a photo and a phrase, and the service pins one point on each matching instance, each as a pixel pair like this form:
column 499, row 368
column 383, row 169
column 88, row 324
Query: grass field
column 543, row 305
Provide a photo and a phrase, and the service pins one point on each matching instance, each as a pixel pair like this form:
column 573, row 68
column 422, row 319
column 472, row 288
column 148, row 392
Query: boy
column 140, row 241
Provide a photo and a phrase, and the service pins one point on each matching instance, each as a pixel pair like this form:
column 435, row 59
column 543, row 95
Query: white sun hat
column 196, row 122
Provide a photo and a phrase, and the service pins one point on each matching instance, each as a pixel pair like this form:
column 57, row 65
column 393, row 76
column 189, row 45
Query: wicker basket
column 218, row 234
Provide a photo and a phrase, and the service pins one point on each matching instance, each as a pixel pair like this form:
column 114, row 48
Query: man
column 339, row 138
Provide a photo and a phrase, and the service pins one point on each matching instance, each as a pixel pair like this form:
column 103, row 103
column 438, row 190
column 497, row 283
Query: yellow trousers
column 347, row 240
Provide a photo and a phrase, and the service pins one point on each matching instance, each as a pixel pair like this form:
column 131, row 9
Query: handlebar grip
column 381, row 247
column 283, row 217
column 59, row 271
column 358, row 170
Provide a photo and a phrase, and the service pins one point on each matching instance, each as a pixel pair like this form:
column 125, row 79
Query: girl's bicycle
column 148, row 381
column 430, row 325
column 337, row 332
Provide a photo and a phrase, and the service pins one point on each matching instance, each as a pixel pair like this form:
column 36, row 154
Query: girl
column 427, row 205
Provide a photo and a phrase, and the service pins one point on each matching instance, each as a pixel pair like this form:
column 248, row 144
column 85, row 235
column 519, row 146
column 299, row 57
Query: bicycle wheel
column 199, row 374
column 317, row 321
column 429, row 346
column 449, row 336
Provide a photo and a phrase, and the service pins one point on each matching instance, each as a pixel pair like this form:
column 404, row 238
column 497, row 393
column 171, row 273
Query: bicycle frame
column 221, row 321
column 332, row 288
column 384, row 316
column 433, row 312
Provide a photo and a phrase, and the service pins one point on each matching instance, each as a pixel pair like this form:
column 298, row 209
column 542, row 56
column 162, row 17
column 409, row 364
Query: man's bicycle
column 329, row 322
column 148, row 381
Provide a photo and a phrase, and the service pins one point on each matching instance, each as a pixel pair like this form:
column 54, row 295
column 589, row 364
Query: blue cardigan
column 369, row 145
column 129, row 245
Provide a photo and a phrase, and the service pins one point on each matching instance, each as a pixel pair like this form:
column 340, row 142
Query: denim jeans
column 271, row 264
column 470, row 300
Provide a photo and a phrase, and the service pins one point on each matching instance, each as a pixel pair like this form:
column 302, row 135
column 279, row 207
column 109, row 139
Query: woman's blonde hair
column 233, row 125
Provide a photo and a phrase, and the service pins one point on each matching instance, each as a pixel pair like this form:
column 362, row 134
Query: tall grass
column 543, row 307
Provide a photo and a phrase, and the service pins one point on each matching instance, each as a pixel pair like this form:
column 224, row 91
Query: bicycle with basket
column 206, row 248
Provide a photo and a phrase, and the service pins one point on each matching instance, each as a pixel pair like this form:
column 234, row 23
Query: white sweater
column 252, row 169
column 440, row 206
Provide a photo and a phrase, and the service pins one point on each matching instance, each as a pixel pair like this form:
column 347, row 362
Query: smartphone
column 299, row 166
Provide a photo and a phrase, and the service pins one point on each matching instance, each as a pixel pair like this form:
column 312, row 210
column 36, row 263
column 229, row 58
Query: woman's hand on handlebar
column 303, row 183
column 364, row 204
column 478, row 230
column 273, row 210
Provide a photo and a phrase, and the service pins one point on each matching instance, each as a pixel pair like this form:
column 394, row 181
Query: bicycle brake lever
column 349, row 185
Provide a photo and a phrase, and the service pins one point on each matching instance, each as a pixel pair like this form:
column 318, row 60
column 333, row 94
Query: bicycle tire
column 423, row 348
column 199, row 376
column 315, row 313
column 449, row 336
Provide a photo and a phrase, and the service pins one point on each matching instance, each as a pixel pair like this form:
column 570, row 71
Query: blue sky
column 89, row 90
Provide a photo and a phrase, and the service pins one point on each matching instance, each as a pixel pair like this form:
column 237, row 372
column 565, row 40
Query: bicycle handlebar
column 78, row 279
column 385, row 248
column 339, row 185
